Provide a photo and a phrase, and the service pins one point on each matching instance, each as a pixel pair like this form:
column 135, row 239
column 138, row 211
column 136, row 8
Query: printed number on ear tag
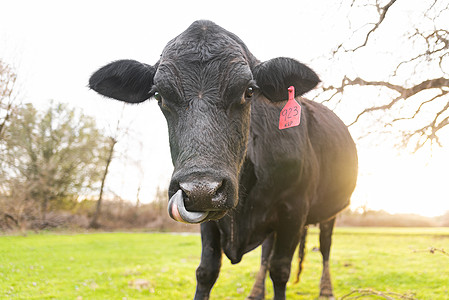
column 291, row 113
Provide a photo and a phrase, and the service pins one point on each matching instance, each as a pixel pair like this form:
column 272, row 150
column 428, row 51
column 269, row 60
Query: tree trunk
column 94, row 222
column 44, row 213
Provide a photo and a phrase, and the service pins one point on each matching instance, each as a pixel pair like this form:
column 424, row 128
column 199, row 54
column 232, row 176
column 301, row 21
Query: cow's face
column 204, row 83
column 207, row 107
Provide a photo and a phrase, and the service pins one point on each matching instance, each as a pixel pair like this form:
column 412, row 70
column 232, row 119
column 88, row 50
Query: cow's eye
column 249, row 93
column 157, row 96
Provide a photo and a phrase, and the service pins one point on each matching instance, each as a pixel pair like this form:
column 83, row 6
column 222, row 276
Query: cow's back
column 337, row 157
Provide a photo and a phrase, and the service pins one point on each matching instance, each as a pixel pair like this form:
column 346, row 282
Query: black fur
column 126, row 80
column 276, row 75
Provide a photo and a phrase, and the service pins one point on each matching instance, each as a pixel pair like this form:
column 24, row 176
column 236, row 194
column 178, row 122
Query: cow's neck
column 248, row 225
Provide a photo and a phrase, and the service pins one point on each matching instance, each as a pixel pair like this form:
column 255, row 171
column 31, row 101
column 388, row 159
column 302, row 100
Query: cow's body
column 289, row 173
column 245, row 180
column 289, row 179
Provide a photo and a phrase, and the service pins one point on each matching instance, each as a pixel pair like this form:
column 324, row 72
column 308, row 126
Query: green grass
column 105, row 265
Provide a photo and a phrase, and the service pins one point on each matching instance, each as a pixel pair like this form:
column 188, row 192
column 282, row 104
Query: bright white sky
column 56, row 45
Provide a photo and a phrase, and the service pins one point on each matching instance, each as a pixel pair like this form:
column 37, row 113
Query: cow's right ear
column 125, row 80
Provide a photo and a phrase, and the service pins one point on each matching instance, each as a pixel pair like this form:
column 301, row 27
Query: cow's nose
column 202, row 195
column 198, row 190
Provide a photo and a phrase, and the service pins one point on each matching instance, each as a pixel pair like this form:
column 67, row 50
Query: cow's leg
column 207, row 271
column 286, row 240
column 301, row 252
column 326, row 229
column 258, row 290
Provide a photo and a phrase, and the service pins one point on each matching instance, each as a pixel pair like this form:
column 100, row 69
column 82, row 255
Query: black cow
column 246, row 181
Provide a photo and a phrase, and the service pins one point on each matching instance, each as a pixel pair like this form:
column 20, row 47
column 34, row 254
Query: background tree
column 405, row 46
column 117, row 134
column 8, row 94
column 51, row 157
column 110, row 153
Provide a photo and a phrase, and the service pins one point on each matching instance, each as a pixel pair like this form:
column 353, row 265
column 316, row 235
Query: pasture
column 162, row 266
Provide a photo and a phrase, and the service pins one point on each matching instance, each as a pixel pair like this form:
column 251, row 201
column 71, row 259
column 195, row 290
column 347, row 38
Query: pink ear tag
column 291, row 113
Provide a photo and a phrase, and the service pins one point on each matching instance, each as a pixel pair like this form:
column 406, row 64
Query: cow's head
column 204, row 83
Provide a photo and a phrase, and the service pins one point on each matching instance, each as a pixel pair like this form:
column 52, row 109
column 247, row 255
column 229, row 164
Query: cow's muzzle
column 198, row 201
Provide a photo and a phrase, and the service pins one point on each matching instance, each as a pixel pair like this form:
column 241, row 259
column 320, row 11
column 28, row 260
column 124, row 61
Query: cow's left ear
column 276, row 75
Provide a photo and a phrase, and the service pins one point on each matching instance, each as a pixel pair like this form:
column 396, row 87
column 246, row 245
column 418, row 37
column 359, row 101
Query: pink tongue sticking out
column 175, row 213
column 178, row 212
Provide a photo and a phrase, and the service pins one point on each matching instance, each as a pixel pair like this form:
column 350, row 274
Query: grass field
column 162, row 266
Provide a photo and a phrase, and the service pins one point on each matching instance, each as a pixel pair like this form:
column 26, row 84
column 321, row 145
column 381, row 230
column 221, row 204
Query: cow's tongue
column 178, row 211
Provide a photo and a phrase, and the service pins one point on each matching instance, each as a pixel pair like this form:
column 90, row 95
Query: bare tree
column 413, row 92
column 118, row 133
column 8, row 78
column 94, row 222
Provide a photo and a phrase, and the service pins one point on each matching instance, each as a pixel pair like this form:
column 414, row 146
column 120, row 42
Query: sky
column 56, row 45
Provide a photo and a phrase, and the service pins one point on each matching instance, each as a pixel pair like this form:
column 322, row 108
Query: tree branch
column 427, row 56
column 363, row 293
column 443, row 93
column 382, row 14
column 404, row 93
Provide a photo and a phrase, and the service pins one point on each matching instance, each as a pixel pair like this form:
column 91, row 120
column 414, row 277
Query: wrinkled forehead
column 209, row 60
column 204, row 49
column 203, row 44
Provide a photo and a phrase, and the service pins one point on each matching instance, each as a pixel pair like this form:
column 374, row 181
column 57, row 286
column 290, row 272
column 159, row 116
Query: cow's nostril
column 220, row 189
column 214, row 187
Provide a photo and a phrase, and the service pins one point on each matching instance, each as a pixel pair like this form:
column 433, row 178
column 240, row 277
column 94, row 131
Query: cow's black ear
column 276, row 75
column 125, row 80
